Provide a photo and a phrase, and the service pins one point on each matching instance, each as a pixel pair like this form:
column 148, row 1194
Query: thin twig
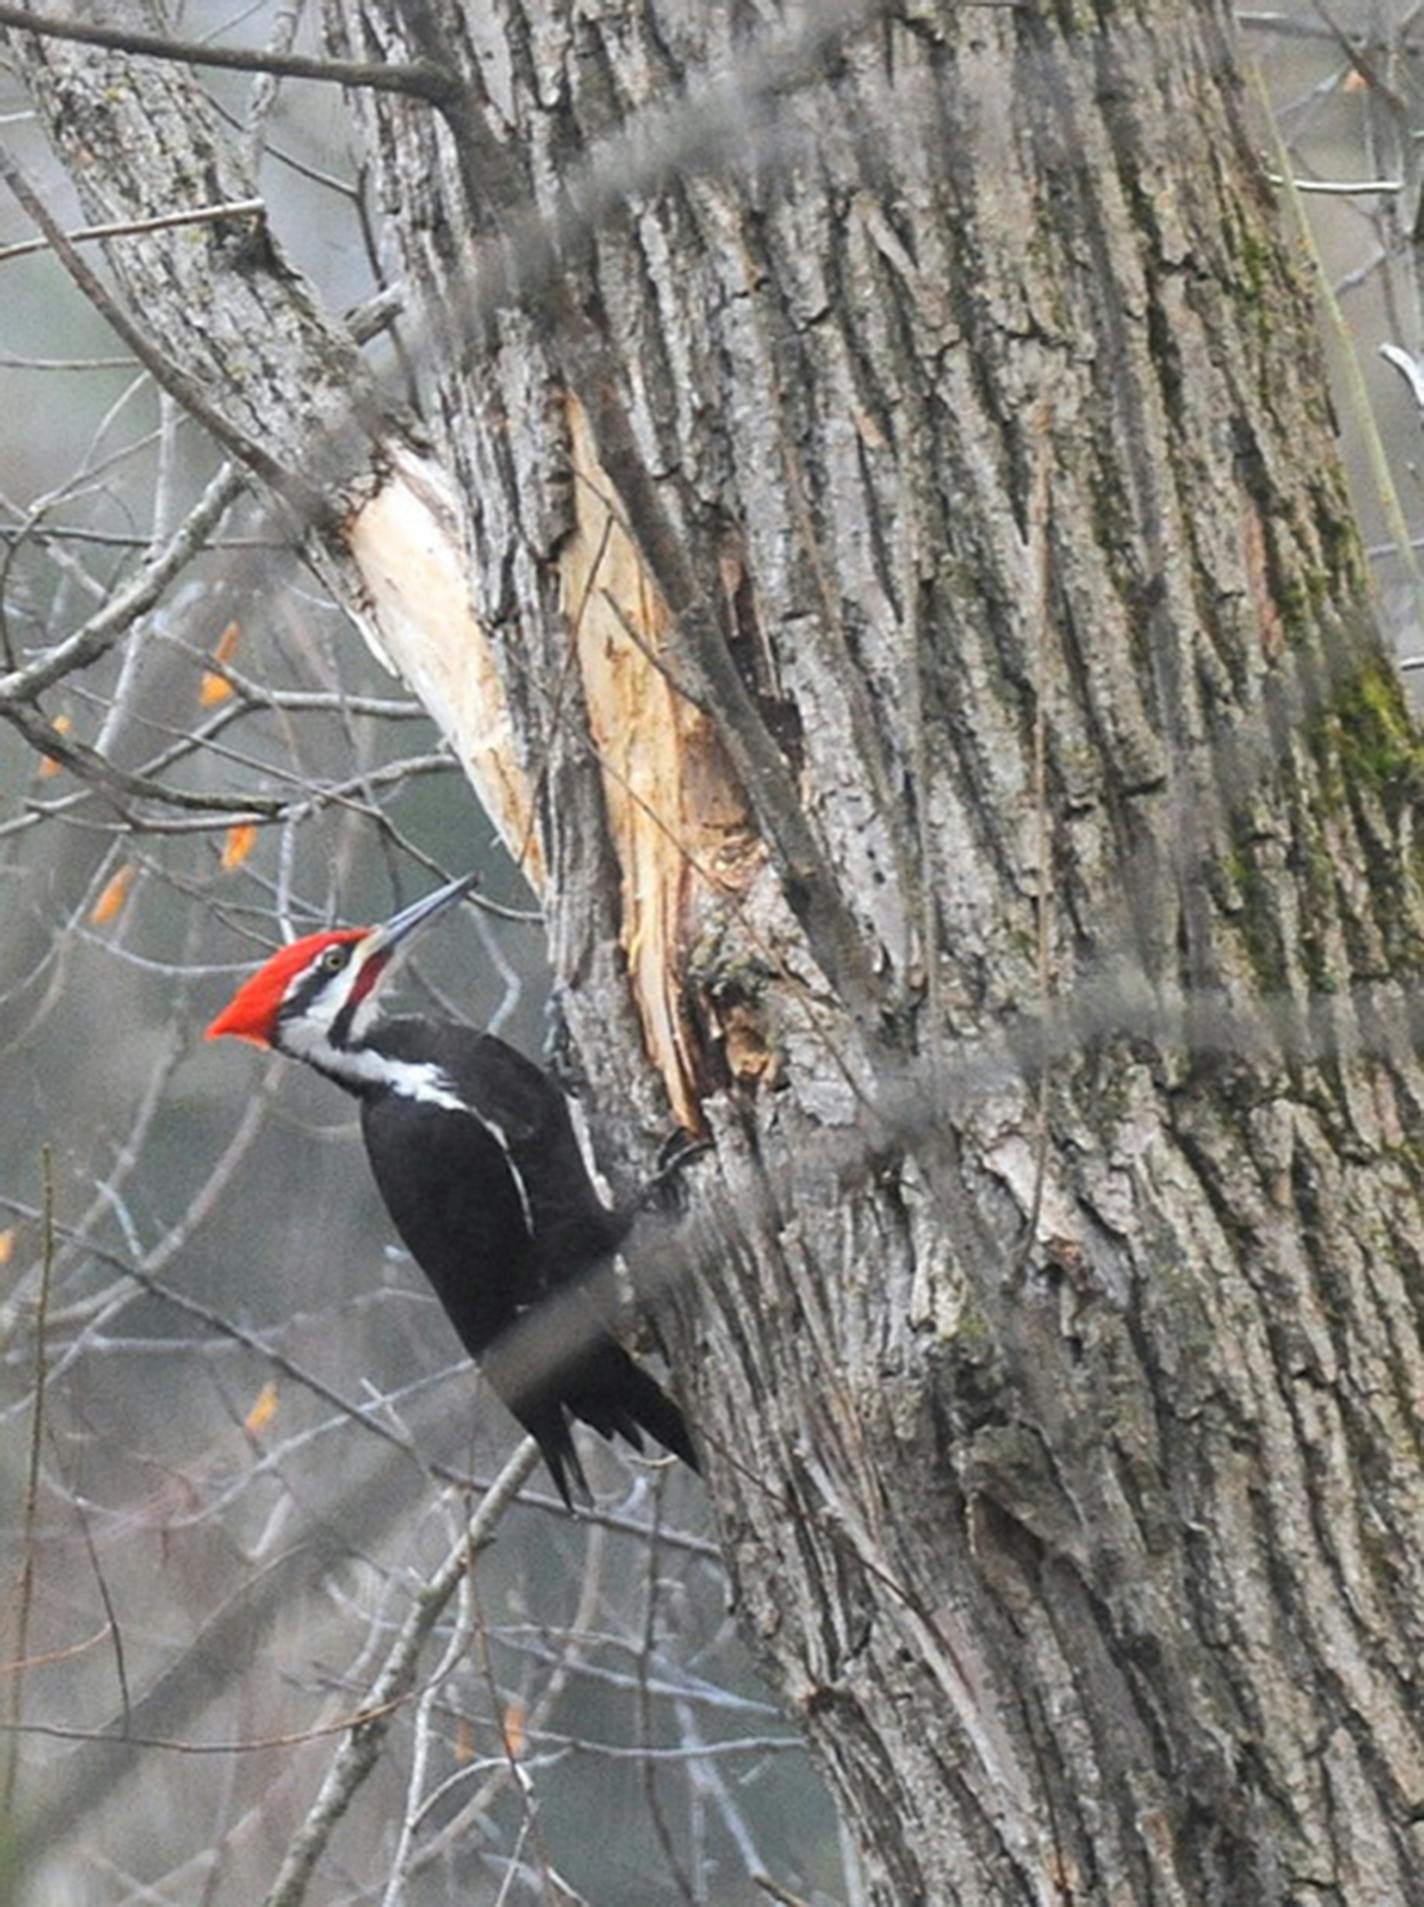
column 775, row 1891
column 32, row 1484
column 112, row 1627
column 651, row 1798
column 423, row 80
column 125, row 228
column 360, row 1751
column 1339, row 188
column 264, row 92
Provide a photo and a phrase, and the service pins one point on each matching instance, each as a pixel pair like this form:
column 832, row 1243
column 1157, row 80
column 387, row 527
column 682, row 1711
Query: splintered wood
column 676, row 815
column 406, row 543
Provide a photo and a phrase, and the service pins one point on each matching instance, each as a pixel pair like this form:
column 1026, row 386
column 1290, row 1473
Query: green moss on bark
column 1378, row 743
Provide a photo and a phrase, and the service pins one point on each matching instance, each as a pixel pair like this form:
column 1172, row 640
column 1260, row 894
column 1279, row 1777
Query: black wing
column 456, row 1203
column 573, row 1228
column 519, row 1106
column 496, row 1206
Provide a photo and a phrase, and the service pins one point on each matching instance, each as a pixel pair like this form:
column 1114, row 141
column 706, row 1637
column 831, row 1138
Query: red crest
column 251, row 1013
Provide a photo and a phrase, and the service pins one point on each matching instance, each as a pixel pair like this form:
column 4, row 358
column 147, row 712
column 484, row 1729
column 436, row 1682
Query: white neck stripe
column 363, row 1066
column 421, row 1080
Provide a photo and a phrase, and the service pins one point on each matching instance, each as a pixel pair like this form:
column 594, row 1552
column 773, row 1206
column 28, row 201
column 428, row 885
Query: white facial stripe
column 325, row 1008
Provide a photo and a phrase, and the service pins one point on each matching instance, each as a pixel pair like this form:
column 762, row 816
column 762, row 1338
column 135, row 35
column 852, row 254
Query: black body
column 495, row 1204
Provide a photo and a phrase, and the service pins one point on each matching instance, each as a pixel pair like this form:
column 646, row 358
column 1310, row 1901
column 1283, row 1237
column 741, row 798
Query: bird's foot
column 664, row 1191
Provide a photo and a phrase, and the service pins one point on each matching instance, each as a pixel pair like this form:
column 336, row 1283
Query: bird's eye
column 333, row 960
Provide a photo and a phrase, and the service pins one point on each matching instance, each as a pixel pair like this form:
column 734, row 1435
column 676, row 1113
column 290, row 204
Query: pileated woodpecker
column 475, row 1156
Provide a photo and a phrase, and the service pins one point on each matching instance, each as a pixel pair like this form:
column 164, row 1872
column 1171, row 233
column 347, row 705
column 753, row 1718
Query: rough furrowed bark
column 1066, row 1445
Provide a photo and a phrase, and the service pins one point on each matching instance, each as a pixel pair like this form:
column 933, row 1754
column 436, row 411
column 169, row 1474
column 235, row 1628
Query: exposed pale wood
column 677, row 821
column 414, row 608
column 238, row 317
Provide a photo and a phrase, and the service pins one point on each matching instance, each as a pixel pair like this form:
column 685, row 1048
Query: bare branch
column 359, row 1753
column 296, row 489
column 109, row 624
column 422, row 79
column 126, row 228
column 32, row 1480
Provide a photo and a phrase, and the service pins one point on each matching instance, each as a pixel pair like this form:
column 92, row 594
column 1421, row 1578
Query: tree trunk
column 1063, row 1425
column 938, row 662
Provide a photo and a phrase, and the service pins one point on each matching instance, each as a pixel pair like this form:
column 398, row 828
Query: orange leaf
column 238, row 843
column 215, row 688
column 464, row 1741
column 7, row 1244
column 264, row 1409
column 113, row 896
column 515, row 1739
column 50, row 765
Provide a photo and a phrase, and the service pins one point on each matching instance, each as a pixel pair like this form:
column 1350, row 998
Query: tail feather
column 550, row 1430
column 602, row 1387
column 617, row 1397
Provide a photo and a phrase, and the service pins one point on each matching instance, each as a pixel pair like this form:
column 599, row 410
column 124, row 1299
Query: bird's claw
column 664, row 1190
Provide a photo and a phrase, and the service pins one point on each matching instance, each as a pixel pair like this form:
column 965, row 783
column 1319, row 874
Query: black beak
column 389, row 935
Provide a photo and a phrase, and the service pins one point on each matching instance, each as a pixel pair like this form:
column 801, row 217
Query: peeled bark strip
column 1068, row 1453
